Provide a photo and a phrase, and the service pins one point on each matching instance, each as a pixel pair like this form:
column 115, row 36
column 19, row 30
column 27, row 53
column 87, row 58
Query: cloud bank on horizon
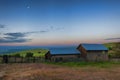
column 19, row 37
column 112, row 39
column 52, row 22
column 13, row 38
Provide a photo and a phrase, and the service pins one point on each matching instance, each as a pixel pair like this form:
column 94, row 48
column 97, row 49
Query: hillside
column 36, row 52
column 114, row 49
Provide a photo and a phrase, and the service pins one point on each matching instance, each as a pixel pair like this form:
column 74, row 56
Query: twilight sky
column 59, row 22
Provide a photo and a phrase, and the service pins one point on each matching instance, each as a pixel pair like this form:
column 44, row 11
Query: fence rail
column 13, row 59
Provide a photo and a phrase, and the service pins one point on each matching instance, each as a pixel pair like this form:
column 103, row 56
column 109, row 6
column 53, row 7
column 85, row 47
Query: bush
column 29, row 54
column 39, row 52
column 17, row 55
column 110, row 47
column 115, row 54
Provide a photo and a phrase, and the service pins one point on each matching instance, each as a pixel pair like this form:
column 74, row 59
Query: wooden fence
column 13, row 59
column 115, row 59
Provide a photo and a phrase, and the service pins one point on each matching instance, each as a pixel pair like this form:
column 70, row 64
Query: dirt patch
column 38, row 71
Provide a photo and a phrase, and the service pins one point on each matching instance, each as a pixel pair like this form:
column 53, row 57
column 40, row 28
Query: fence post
column 33, row 59
column 21, row 59
column 5, row 58
column 15, row 58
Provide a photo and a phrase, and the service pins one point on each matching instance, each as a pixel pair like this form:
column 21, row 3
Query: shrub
column 29, row 54
column 17, row 55
column 39, row 52
column 115, row 54
column 110, row 47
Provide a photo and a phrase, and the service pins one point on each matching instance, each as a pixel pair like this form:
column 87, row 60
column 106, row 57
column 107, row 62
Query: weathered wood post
column 33, row 59
column 22, row 59
column 15, row 58
column 5, row 58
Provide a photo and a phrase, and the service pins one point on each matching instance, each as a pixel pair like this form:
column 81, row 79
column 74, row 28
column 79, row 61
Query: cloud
column 55, row 28
column 4, row 40
column 14, row 38
column 9, row 37
column 112, row 39
column 18, row 37
column 42, row 31
column 2, row 26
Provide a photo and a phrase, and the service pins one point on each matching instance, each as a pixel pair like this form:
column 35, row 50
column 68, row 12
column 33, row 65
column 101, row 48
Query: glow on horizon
column 56, row 42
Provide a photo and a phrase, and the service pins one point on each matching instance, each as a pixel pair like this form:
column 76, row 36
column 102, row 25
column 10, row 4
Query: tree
column 39, row 52
column 110, row 47
column 17, row 55
column 29, row 54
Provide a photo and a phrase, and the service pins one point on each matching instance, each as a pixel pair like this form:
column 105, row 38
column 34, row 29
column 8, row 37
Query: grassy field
column 84, row 64
column 36, row 52
column 60, row 71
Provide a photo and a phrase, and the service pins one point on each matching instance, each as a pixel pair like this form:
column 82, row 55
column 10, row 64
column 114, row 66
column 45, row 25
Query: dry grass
column 39, row 71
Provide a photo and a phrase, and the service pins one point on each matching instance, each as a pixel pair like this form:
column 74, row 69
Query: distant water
column 12, row 49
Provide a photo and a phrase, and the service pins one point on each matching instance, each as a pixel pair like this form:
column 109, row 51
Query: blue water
column 12, row 49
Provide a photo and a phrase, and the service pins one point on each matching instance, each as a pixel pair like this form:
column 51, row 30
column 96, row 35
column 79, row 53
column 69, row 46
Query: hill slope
column 36, row 52
column 114, row 49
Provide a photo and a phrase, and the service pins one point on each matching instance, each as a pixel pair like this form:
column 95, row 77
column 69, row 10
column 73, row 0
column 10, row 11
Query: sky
column 59, row 22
